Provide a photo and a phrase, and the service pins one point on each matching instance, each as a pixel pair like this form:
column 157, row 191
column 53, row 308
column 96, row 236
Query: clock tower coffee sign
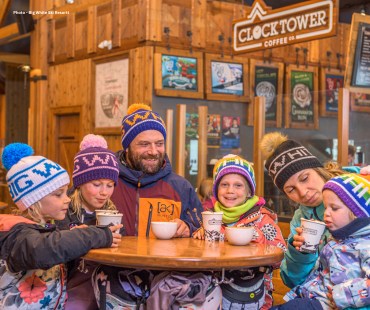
column 264, row 28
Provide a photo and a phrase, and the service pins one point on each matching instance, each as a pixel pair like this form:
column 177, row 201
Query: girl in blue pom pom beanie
column 32, row 250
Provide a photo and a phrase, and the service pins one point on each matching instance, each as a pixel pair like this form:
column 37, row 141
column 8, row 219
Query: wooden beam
column 180, row 140
column 92, row 29
column 8, row 32
column 202, row 144
column 71, row 35
column 14, row 58
column 169, row 129
column 116, row 22
column 259, row 130
column 343, row 126
column 4, row 7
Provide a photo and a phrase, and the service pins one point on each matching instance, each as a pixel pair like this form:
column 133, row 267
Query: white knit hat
column 30, row 178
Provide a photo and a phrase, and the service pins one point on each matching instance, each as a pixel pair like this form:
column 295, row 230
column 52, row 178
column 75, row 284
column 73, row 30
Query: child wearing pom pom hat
column 341, row 277
column 95, row 174
column 147, row 188
column 234, row 188
column 32, row 250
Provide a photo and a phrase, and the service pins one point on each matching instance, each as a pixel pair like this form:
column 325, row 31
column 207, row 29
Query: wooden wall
column 134, row 27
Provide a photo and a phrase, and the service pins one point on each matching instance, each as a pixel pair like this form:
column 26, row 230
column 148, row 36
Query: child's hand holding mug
column 298, row 240
column 116, row 236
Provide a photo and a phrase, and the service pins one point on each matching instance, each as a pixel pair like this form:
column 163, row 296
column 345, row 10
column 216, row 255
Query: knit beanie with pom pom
column 285, row 158
column 139, row 118
column 94, row 161
column 30, row 178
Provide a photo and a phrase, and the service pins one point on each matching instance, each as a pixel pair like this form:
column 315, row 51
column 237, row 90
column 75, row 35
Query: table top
column 185, row 254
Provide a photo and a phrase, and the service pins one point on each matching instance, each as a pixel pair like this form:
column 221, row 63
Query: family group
column 41, row 245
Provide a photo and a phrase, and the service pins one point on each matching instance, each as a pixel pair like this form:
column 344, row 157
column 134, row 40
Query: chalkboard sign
column 361, row 67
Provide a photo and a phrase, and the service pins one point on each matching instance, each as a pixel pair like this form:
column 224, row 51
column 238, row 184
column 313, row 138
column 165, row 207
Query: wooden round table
column 185, row 254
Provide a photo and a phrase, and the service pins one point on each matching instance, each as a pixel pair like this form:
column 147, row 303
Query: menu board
column 361, row 66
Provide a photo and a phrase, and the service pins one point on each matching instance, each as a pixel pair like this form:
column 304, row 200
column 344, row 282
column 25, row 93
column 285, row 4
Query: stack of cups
column 212, row 222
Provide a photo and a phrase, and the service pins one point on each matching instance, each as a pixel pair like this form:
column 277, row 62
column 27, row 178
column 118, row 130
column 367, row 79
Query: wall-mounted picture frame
column 360, row 102
column 110, row 93
column 357, row 75
column 178, row 73
column 227, row 78
column 301, row 104
column 331, row 80
column 266, row 80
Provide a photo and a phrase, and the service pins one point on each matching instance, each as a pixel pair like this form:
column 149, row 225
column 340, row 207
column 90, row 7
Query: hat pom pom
column 270, row 143
column 91, row 140
column 138, row 106
column 14, row 152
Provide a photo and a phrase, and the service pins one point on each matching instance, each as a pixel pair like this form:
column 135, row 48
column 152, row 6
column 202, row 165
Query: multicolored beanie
column 139, row 118
column 30, row 178
column 285, row 158
column 353, row 190
column 94, row 161
column 233, row 164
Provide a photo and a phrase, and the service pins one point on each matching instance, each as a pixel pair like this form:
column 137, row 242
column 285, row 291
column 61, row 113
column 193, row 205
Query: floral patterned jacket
column 32, row 257
column 266, row 231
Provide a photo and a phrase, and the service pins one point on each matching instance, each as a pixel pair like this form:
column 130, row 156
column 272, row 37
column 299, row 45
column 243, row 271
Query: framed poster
column 330, row 83
column 178, row 73
column 111, row 79
column 267, row 81
column 230, row 132
column 360, row 102
column 357, row 75
column 302, row 106
column 226, row 78
column 213, row 130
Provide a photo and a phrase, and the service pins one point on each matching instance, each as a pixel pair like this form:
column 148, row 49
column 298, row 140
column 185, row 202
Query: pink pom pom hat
column 94, row 161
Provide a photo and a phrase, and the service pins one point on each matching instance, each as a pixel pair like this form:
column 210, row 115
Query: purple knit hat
column 94, row 161
column 233, row 164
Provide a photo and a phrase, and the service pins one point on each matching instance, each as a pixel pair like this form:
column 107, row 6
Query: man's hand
column 183, row 230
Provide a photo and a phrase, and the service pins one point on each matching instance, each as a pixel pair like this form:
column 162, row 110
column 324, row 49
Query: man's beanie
column 30, row 178
column 353, row 190
column 233, row 164
column 285, row 158
column 139, row 118
column 94, row 161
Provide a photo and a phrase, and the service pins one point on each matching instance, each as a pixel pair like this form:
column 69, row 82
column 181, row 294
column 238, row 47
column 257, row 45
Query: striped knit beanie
column 30, row 178
column 233, row 164
column 353, row 190
column 139, row 118
column 285, row 158
column 94, row 161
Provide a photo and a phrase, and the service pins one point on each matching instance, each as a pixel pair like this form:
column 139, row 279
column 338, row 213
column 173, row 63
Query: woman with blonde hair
column 301, row 177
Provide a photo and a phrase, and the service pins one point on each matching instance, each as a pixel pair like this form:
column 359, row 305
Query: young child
column 95, row 173
column 94, row 176
column 234, row 189
column 32, row 250
column 341, row 279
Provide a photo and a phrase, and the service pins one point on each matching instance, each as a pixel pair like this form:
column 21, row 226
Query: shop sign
column 264, row 28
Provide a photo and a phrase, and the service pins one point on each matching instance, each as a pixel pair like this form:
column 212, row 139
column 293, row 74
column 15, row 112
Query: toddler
column 341, row 278
column 234, row 189
column 32, row 250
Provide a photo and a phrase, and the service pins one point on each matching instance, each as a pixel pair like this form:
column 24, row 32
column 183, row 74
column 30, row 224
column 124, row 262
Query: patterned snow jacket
column 32, row 257
column 343, row 268
column 266, row 231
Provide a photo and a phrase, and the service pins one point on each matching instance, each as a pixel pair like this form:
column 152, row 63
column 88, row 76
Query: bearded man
column 148, row 190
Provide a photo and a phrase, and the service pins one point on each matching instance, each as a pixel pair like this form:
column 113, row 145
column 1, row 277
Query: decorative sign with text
column 264, row 28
